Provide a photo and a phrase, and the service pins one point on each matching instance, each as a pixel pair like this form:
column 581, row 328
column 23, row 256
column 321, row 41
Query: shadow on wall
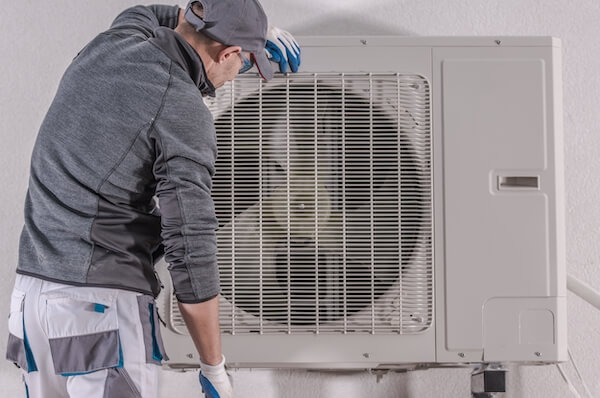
column 350, row 384
column 346, row 25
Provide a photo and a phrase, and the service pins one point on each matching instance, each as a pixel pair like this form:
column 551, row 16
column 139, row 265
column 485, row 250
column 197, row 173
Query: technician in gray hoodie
column 128, row 125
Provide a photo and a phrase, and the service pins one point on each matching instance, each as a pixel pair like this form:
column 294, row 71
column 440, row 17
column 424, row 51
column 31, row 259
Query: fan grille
column 323, row 195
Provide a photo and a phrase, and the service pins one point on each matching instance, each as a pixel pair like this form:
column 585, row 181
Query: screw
column 461, row 354
column 364, row 42
column 366, row 355
column 190, row 356
column 538, row 354
column 498, row 42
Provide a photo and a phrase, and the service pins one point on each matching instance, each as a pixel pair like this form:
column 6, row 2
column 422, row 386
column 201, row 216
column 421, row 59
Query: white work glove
column 282, row 48
column 215, row 381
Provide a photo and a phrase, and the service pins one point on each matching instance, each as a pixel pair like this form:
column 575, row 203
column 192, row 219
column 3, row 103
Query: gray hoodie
column 127, row 125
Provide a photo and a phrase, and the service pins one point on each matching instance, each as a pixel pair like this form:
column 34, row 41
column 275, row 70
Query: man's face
column 228, row 69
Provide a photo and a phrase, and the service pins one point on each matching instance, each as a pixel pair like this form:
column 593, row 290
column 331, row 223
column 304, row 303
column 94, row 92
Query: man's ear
column 198, row 9
column 227, row 52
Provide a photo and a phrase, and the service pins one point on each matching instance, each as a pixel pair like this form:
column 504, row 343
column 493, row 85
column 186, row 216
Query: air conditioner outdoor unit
column 398, row 201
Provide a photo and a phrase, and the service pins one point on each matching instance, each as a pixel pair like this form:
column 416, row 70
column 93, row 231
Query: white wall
column 40, row 38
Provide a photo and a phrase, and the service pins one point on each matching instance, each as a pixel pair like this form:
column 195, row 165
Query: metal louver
column 323, row 193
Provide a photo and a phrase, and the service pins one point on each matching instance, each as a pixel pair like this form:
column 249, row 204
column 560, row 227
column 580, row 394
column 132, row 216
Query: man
column 128, row 125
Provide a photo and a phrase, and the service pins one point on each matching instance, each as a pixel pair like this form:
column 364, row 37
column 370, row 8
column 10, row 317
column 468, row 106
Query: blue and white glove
column 282, row 48
column 215, row 381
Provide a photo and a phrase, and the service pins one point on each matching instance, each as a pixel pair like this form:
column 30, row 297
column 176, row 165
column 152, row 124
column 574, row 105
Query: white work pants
column 84, row 342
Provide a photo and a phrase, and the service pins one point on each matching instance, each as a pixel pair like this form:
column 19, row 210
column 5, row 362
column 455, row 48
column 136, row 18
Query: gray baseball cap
column 235, row 23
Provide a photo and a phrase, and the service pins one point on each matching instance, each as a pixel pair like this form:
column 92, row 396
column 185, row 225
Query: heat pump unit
column 398, row 201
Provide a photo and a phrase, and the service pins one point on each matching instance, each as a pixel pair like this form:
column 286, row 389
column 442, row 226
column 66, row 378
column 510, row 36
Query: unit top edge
column 429, row 41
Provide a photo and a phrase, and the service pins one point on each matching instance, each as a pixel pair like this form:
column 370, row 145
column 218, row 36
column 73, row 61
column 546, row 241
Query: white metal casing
column 499, row 282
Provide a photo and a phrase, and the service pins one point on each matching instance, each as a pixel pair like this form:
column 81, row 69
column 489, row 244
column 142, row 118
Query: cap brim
column 264, row 65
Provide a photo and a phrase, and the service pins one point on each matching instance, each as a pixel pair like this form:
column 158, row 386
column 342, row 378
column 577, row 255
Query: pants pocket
column 119, row 384
column 155, row 350
column 83, row 330
column 18, row 350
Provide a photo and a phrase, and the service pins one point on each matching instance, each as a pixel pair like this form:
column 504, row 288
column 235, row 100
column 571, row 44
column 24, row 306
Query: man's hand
column 215, row 381
column 282, row 48
column 202, row 320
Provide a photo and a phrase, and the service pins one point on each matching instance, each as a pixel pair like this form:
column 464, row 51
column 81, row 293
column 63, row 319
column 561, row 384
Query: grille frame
column 371, row 103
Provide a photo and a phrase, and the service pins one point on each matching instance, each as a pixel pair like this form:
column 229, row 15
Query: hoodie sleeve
column 186, row 149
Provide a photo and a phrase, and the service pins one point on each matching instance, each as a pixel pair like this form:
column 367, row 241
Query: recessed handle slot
column 518, row 182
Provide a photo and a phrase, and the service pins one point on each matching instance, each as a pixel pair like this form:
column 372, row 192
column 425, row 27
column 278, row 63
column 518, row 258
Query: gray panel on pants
column 15, row 351
column 144, row 304
column 87, row 353
column 119, row 384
